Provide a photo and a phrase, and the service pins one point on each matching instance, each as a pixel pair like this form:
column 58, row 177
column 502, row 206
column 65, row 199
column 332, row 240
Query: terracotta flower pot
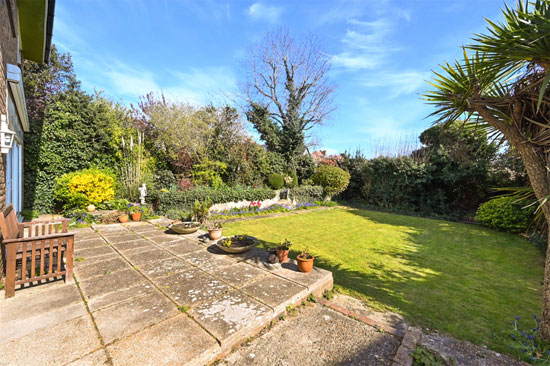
column 282, row 254
column 215, row 234
column 136, row 216
column 305, row 264
column 123, row 218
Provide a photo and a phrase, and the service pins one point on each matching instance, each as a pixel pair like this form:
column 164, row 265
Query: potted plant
column 135, row 210
column 215, row 230
column 305, row 261
column 282, row 251
column 123, row 217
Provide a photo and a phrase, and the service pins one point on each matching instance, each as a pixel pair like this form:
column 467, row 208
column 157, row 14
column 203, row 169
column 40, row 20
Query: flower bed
column 255, row 209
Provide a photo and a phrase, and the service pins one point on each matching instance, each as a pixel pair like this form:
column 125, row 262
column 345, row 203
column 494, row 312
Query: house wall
column 9, row 49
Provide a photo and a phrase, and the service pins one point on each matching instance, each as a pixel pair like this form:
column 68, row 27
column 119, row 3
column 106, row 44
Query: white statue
column 142, row 193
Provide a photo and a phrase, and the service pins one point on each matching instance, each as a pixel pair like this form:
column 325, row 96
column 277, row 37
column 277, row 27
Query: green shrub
column 333, row 179
column 81, row 188
column 165, row 201
column 307, row 194
column 164, row 179
column 275, row 181
column 291, row 180
column 506, row 214
column 209, row 173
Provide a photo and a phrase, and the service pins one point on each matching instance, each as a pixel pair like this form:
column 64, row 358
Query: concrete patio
column 144, row 296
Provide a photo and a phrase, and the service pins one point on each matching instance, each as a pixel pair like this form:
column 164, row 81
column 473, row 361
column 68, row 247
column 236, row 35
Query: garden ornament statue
column 142, row 193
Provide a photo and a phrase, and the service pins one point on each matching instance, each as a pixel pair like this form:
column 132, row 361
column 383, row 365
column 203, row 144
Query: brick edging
column 361, row 318
column 403, row 356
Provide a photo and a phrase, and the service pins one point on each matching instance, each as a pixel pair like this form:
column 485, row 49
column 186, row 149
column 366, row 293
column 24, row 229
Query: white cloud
column 366, row 46
column 259, row 11
column 400, row 83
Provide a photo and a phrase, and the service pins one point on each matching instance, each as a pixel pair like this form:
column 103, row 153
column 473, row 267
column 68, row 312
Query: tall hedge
column 164, row 201
column 69, row 129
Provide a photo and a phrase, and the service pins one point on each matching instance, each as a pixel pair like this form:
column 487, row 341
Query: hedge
column 164, row 201
column 307, row 193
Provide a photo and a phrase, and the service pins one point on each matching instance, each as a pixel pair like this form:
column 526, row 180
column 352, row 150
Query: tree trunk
column 538, row 176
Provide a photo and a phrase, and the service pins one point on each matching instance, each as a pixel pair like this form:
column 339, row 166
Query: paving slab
column 191, row 287
column 239, row 274
column 80, row 261
column 42, row 299
column 317, row 281
column 108, row 266
column 208, row 261
column 232, row 317
column 143, row 227
column 122, row 237
column 111, row 298
column 97, row 358
column 137, row 245
column 183, row 246
column 101, row 285
column 109, row 228
column 276, row 292
column 56, row 345
column 163, row 239
column 89, row 243
column 130, row 316
column 29, row 312
column 317, row 336
column 94, row 252
column 164, row 268
column 143, row 257
column 176, row 341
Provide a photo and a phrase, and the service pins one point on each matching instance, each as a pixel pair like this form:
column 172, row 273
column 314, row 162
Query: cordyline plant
column 501, row 85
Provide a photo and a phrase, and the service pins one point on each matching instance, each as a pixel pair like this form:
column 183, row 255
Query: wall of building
column 9, row 48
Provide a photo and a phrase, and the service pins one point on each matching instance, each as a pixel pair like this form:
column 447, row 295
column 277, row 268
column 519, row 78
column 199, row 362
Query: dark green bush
column 506, row 214
column 333, row 179
column 275, row 181
column 307, row 194
column 164, row 179
column 305, row 167
column 164, row 201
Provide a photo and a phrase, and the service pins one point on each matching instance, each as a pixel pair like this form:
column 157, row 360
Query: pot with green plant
column 200, row 210
column 305, row 261
column 135, row 210
column 215, row 229
column 282, row 250
column 184, row 222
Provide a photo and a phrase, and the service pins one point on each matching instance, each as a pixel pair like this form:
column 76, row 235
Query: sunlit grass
column 457, row 278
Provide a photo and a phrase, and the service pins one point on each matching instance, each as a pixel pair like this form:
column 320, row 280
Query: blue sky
column 382, row 52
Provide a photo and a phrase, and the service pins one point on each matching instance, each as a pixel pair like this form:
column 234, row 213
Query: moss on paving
column 462, row 279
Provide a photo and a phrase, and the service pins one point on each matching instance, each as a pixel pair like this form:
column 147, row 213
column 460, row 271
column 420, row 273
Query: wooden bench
column 35, row 251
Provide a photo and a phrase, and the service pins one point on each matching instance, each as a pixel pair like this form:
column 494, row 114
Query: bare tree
column 287, row 89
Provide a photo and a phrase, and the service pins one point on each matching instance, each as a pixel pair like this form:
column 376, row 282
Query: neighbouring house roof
column 36, row 28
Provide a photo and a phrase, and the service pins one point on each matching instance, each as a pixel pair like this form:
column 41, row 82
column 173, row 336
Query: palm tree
column 501, row 85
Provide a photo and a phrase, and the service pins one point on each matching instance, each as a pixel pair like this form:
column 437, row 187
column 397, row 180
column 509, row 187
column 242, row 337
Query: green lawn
column 462, row 279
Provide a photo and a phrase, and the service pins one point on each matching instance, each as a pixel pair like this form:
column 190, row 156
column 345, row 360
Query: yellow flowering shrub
column 84, row 187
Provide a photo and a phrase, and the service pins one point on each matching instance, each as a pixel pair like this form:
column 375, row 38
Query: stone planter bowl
column 235, row 250
column 184, row 227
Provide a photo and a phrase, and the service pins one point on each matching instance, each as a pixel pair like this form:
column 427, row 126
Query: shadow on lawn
column 457, row 278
